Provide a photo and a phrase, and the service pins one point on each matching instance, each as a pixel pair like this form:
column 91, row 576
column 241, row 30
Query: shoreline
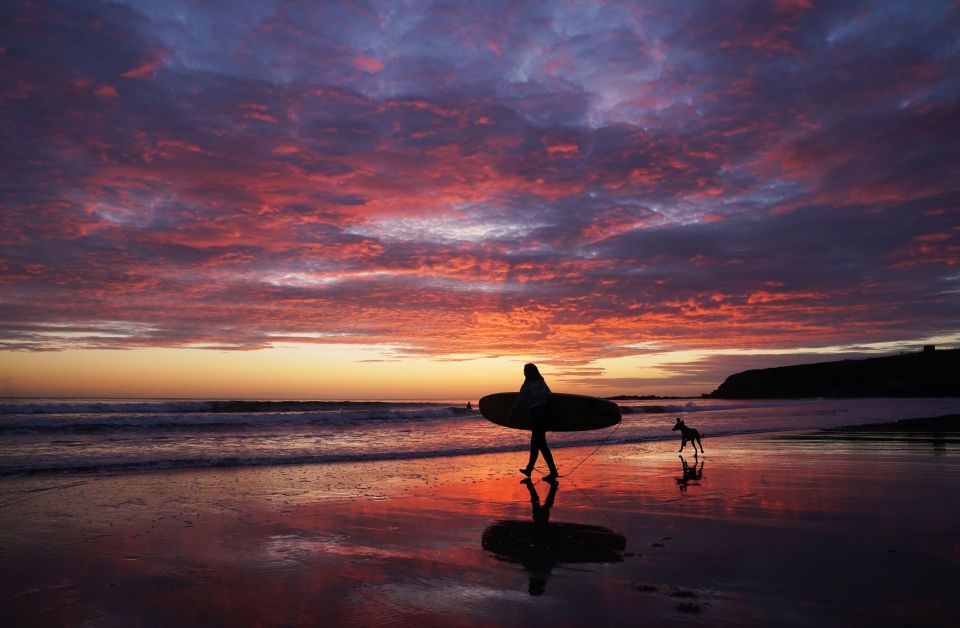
column 943, row 423
column 762, row 529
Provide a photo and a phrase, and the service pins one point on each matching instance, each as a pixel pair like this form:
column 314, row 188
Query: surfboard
column 568, row 413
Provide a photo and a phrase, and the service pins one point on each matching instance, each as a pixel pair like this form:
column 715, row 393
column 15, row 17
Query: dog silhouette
column 688, row 434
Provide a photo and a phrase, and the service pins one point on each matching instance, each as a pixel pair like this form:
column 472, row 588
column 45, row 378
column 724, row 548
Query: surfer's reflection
column 691, row 474
column 540, row 545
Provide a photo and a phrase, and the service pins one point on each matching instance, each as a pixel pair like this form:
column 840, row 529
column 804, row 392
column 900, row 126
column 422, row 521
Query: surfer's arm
column 522, row 400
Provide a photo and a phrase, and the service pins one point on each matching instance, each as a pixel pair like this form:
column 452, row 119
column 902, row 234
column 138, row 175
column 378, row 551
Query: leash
column 582, row 460
column 593, row 502
column 595, row 449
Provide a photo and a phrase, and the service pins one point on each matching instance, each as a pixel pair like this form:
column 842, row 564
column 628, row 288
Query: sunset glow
column 363, row 200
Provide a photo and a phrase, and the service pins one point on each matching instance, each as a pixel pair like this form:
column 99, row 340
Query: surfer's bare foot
column 526, row 472
column 550, row 477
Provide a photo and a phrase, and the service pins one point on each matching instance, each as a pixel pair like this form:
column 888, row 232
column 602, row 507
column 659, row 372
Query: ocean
column 116, row 436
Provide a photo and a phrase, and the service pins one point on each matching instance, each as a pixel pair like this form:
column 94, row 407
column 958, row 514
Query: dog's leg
column 700, row 443
column 683, row 441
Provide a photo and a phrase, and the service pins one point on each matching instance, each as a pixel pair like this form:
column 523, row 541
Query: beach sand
column 839, row 528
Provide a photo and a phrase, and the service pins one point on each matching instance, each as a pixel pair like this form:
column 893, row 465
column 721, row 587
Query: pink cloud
column 368, row 64
column 695, row 179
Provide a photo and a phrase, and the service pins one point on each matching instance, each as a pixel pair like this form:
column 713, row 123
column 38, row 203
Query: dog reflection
column 540, row 545
column 690, row 474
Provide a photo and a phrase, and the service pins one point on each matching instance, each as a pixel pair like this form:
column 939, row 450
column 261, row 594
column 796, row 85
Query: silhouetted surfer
column 533, row 395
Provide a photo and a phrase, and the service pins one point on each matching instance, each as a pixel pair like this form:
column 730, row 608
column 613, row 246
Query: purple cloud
column 583, row 178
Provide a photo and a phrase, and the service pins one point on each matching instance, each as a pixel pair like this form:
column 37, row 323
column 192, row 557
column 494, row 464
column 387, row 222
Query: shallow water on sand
column 761, row 530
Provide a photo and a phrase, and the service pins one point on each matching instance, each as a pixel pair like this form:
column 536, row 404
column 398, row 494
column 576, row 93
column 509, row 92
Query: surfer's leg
column 547, row 456
column 535, row 438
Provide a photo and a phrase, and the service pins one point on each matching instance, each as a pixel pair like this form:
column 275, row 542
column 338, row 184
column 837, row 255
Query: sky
column 271, row 198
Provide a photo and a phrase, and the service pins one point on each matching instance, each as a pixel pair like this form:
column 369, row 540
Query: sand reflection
column 692, row 474
column 541, row 545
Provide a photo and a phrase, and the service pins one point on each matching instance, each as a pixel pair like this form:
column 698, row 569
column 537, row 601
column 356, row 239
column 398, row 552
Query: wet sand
column 840, row 527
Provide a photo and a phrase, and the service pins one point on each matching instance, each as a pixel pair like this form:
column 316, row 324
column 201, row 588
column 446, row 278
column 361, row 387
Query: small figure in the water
column 469, row 406
column 688, row 434
column 533, row 395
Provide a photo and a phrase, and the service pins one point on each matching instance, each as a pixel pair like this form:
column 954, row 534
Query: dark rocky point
column 928, row 373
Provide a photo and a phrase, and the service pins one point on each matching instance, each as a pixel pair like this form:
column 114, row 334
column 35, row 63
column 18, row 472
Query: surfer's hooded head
column 530, row 371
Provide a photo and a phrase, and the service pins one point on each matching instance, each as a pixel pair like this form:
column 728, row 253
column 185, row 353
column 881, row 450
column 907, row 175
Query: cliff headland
column 928, row 373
